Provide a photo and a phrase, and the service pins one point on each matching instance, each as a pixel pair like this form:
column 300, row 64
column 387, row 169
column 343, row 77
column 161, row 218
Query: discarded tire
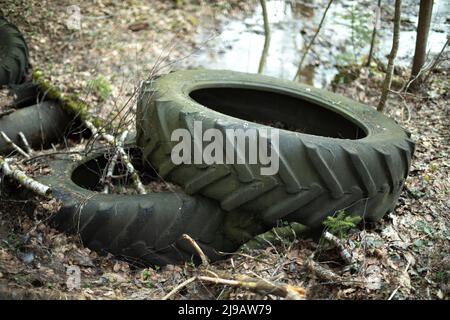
column 346, row 155
column 41, row 124
column 13, row 54
column 142, row 228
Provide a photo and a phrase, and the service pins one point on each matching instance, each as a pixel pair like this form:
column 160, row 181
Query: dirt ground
column 404, row 256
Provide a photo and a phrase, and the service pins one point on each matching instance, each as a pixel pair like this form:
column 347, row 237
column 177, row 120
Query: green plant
column 341, row 223
column 100, row 86
column 359, row 24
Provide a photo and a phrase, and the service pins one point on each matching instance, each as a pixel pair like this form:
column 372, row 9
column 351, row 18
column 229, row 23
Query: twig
column 179, row 287
column 396, row 289
column 6, row 112
column 203, row 257
column 13, row 145
column 261, row 286
column 345, row 254
column 322, row 272
column 23, row 179
column 123, row 155
column 436, row 60
column 262, row 61
column 25, row 143
column 300, row 65
column 112, row 164
column 391, row 58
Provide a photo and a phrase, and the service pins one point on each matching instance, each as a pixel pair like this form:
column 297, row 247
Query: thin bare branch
column 202, row 255
column 25, row 143
column 13, row 145
column 300, row 65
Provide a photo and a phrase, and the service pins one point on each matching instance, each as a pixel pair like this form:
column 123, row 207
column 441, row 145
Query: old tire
column 348, row 156
column 144, row 229
column 41, row 124
column 13, row 54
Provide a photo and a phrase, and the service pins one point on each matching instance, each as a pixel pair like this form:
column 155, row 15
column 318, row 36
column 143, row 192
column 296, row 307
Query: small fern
column 341, row 223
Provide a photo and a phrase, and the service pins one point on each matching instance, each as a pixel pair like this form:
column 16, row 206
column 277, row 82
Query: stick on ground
column 23, row 179
column 345, row 254
column 13, row 145
column 25, row 143
column 203, row 257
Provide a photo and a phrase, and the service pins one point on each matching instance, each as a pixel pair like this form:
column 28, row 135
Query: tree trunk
column 374, row 33
column 423, row 28
column 300, row 65
column 262, row 61
column 391, row 58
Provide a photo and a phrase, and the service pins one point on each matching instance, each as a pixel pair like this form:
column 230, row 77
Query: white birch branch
column 123, row 155
column 13, row 145
column 23, row 179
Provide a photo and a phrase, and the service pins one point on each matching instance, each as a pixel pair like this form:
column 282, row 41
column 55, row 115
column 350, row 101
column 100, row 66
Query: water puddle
column 238, row 45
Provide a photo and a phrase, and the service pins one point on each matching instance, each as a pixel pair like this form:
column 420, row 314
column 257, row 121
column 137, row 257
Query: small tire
column 145, row 229
column 13, row 54
column 349, row 156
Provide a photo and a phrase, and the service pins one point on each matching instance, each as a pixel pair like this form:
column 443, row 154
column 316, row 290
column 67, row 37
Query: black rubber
column 348, row 155
column 24, row 95
column 41, row 124
column 145, row 229
column 13, row 54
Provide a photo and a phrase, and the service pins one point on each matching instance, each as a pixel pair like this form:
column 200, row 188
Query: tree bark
column 391, row 58
column 423, row 28
column 262, row 61
column 300, row 65
column 374, row 33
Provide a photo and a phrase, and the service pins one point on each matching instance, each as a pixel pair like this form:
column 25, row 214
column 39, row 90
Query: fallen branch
column 344, row 253
column 112, row 164
column 13, row 145
column 6, row 112
column 123, row 155
column 25, row 143
column 203, row 257
column 322, row 272
column 23, row 179
column 260, row 286
column 179, row 287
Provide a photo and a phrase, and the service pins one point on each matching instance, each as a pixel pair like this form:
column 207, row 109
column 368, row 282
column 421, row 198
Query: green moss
column 71, row 103
column 277, row 236
column 100, row 86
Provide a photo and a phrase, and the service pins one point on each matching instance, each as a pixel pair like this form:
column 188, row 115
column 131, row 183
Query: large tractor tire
column 42, row 124
column 334, row 153
column 13, row 54
column 145, row 229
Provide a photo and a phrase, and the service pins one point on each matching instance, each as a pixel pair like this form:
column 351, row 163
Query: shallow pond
column 236, row 43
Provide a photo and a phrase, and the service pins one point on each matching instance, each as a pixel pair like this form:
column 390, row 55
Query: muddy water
column 236, row 43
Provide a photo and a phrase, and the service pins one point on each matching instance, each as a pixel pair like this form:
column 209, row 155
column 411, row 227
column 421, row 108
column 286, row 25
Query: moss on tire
column 347, row 155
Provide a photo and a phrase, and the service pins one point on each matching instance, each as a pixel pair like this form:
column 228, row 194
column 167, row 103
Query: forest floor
column 406, row 255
